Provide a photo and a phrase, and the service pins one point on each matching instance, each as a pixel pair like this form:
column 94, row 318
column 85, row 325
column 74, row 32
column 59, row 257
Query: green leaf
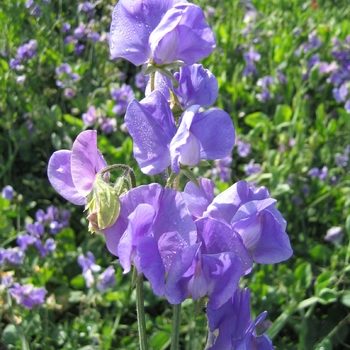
column 256, row 118
column 307, row 302
column 327, row 296
column 78, row 282
column 73, row 120
column 322, row 281
column 189, row 174
column 10, row 334
column 283, row 114
column 303, row 275
column 345, row 298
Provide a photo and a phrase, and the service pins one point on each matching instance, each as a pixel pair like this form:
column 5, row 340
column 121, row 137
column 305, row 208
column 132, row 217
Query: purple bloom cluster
column 83, row 32
column 53, row 220
column 89, row 269
column 243, row 148
column 320, row 173
column 122, row 97
column 28, row 295
column 34, row 8
column 66, row 79
column 313, row 43
column 93, row 117
column 223, row 169
column 189, row 243
column 342, row 159
column 252, row 168
column 24, row 53
column 12, row 256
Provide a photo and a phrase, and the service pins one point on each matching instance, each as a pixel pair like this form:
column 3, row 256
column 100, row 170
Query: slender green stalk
column 141, row 322
column 176, row 327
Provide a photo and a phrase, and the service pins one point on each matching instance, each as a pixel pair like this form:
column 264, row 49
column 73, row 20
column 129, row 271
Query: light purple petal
column 60, row 177
column 86, row 161
column 182, row 34
column 132, row 24
column 151, row 264
column 215, row 132
column 151, row 125
column 198, row 199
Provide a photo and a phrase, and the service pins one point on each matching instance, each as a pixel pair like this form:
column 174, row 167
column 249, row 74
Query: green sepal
column 189, row 174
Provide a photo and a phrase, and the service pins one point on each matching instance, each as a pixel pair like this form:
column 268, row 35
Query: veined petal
column 60, row 177
column 86, row 162
column 215, row 132
column 183, row 34
column 183, row 144
column 151, row 125
column 132, row 24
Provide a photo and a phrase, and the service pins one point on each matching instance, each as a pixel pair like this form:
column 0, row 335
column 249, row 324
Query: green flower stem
column 176, row 327
column 127, row 172
column 153, row 76
column 141, row 321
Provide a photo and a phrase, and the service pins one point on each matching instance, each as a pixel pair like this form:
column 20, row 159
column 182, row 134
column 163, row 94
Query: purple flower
column 265, row 81
column 334, row 235
column 63, row 68
column 221, row 259
column 232, row 328
column 106, row 279
column 252, row 214
column 223, row 168
column 243, row 148
column 80, row 31
column 37, row 229
column 12, row 255
column 28, row 295
column 7, row 192
column 147, row 29
column 197, row 86
column 72, row 173
column 347, row 106
column 340, row 93
column 264, row 96
column 108, row 125
column 66, row 27
column 88, row 262
column 79, row 48
column 69, row 93
column 252, row 168
column 141, row 80
column 157, row 143
column 153, row 229
column 122, row 96
column 89, row 118
column 24, row 241
column 7, row 280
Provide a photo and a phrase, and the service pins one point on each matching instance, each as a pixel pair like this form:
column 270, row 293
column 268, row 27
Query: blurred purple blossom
column 66, row 27
column 90, row 117
column 265, row 81
column 223, row 168
column 28, row 295
column 108, row 125
column 122, row 96
column 252, row 168
column 243, row 148
column 334, row 235
column 106, row 279
column 264, row 95
column 7, row 192
column 12, row 255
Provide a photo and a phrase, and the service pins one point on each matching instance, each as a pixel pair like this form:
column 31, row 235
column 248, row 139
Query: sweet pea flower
column 220, row 261
column 72, row 173
column 106, row 279
column 231, row 326
column 197, row 86
column 157, row 143
column 162, row 30
column 154, row 228
column 252, row 214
